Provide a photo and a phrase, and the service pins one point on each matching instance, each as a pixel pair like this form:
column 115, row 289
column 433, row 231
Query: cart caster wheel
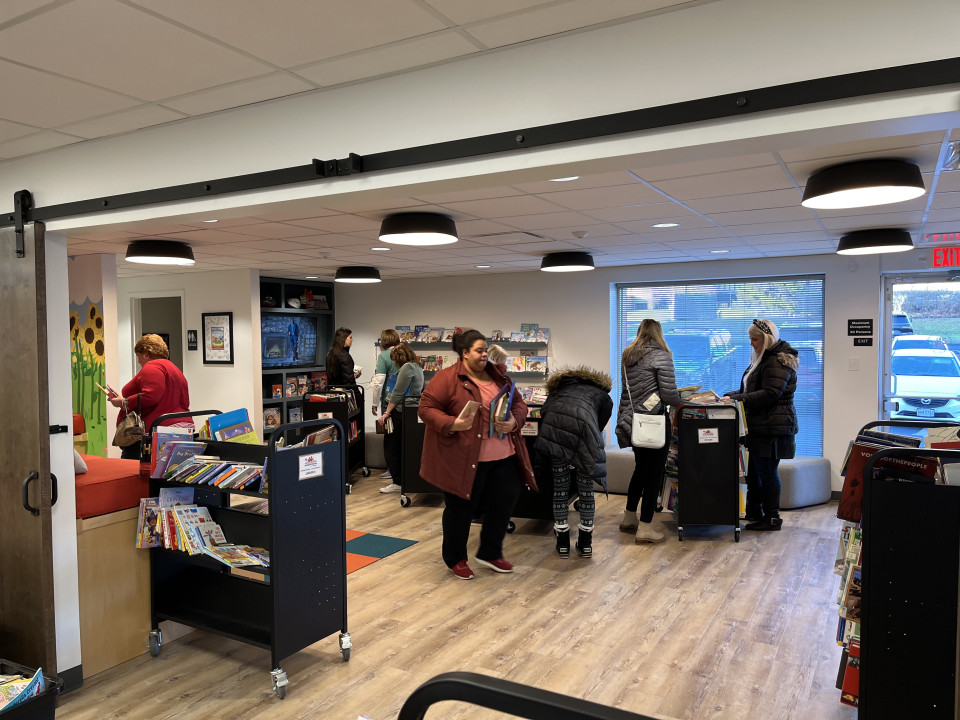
column 349, row 489
column 279, row 678
column 736, row 534
column 154, row 640
column 365, row 472
column 345, row 646
column 511, row 526
column 405, row 501
column 680, row 534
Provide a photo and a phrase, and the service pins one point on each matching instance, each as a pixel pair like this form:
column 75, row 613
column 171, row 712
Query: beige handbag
column 130, row 429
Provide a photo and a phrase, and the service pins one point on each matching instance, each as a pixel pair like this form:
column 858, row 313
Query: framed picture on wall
column 217, row 338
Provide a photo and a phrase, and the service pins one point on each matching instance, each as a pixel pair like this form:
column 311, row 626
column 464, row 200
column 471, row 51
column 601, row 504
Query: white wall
column 576, row 308
column 66, row 593
column 212, row 387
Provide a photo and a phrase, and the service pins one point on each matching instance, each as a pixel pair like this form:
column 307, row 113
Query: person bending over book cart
column 385, row 369
column 409, row 384
column 577, row 409
column 650, row 382
column 766, row 391
column 475, row 462
column 157, row 389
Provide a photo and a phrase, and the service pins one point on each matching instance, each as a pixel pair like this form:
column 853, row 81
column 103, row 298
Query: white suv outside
column 919, row 342
column 926, row 384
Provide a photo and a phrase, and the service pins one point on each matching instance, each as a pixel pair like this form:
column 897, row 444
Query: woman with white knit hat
column 766, row 391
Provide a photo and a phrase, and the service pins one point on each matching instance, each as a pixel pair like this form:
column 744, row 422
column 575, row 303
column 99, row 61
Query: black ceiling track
column 839, row 87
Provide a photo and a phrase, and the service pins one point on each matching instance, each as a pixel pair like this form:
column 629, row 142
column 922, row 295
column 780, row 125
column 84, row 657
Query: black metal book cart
column 353, row 420
column 411, row 448
column 708, row 467
column 301, row 597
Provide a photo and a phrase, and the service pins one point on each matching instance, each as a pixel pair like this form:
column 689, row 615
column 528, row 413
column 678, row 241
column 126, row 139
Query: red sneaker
column 463, row 571
column 502, row 565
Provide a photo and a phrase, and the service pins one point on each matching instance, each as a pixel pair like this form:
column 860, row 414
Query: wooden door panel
column 27, row 633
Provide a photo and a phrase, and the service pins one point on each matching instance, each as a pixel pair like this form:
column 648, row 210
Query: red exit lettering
column 942, row 237
column 946, row 257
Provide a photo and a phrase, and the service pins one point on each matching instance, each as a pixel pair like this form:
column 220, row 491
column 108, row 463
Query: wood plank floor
column 704, row 628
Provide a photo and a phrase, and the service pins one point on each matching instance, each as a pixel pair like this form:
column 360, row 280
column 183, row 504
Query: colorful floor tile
column 366, row 548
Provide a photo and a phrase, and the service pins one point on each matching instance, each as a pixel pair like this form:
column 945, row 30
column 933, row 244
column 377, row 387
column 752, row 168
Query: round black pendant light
column 567, row 262
column 873, row 242
column 159, row 252
column 357, row 274
column 862, row 184
column 417, row 228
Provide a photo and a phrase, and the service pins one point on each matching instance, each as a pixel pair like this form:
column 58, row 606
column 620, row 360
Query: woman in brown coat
column 460, row 456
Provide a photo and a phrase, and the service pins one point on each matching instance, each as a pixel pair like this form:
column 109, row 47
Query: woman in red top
column 474, row 469
column 159, row 388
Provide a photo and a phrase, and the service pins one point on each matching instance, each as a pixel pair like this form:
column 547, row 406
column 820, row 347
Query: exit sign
column 942, row 237
column 946, row 257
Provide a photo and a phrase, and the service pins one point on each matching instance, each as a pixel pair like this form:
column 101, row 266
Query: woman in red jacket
column 159, row 388
column 460, row 456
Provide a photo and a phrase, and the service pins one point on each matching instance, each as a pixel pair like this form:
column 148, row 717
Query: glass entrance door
column 921, row 368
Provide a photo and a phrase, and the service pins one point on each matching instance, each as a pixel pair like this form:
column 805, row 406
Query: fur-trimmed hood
column 581, row 373
column 786, row 355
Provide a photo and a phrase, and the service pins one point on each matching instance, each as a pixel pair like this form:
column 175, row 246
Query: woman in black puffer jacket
column 766, row 392
column 577, row 409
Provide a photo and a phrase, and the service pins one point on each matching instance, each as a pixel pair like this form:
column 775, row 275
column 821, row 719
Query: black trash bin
column 41, row 707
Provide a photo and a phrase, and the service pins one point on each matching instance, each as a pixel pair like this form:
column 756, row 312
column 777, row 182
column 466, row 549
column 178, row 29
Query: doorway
column 162, row 316
column 921, row 362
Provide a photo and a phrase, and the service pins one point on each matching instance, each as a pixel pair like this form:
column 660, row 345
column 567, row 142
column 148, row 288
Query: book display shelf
column 296, row 330
column 515, row 350
column 300, row 597
column 900, row 575
column 348, row 409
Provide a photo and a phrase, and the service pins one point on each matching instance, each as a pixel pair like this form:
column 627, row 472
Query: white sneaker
column 391, row 488
column 386, row 475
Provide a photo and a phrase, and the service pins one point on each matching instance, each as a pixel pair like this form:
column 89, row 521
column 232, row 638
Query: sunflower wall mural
column 87, row 366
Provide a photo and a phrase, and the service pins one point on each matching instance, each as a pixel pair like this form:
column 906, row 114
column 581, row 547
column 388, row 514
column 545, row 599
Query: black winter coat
column 577, row 409
column 768, row 396
column 343, row 375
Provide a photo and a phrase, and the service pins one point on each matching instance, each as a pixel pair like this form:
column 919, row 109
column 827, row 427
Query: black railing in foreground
column 506, row 696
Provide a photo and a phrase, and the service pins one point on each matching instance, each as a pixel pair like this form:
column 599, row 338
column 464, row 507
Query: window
column 705, row 326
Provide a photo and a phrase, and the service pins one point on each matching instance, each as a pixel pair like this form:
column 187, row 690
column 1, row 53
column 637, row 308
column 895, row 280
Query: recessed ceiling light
column 482, row 267
column 665, row 225
column 719, row 252
column 565, row 179
column 380, row 249
column 211, row 221
column 311, row 277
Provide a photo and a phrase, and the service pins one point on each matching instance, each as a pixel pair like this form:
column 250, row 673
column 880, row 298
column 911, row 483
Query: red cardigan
column 449, row 459
column 162, row 388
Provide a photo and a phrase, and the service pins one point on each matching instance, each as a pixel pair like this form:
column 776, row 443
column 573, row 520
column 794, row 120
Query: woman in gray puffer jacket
column 766, row 392
column 577, row 409
column 648, row 368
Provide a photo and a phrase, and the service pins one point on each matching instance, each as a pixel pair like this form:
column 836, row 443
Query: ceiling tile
column 705, row 167
column 446, row 198
column 547, row 221
column 689, row 222
column 126, row 62
column 505, row 207
column 656, row 211
column 462, row 13
column 925, row 156
column 948, row 182
column 557, row 18
column 46, row 101
column 946, row 200
column 13, row 9
column 748, row 201
column 604, row 197
column 121, row 122
column 869, row 220
column 238, row 94
column 393, row 58
column 38, row 142
column 723, row 184
column 9, row 130
column 785, row 214
column 339, row 223
column 592, row 231
column 621, row 177
column 295, row 32
column 771, row 228
column 858, row 147
column 945, row 215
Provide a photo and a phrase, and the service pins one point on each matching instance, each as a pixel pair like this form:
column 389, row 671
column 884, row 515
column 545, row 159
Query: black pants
column 392, row 449
column 131, row 452
column 763, row 487
column 496, row 489
column 647, row 478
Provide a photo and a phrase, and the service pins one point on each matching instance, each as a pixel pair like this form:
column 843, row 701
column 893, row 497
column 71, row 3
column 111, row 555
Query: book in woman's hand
column 469, row 411
column 108, row 391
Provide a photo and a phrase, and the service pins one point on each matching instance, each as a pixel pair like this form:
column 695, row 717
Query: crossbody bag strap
column 627, row 383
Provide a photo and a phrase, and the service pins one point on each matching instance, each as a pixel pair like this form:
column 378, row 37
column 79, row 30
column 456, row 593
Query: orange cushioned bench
column 110, row 484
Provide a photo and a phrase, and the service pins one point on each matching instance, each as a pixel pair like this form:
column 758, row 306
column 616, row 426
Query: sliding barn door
column 27, row 633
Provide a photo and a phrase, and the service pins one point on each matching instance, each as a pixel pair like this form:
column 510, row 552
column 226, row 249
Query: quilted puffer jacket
column 654, row 373
column 577, row 409
column 768, row 397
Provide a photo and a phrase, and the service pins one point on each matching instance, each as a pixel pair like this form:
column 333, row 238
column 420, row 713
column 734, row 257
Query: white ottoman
column 620, row 464
column 804, row 481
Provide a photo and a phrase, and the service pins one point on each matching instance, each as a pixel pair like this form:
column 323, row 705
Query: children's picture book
column 417, row 329
column 302, row 385
column 271, row 417
column 107, row 390
column 318, row 381
column 529, row 331
column 537, row 363
column 500, row 407
column 231, row 555
column 147, row 535
column 469, row 410
column 432, row 335
column 447, row 335
column 496, row 335
column 277, row 391
column 406, row 333
column 907, row 467
column 173, row 454
column 295, row 414
column 173, row 496
column 543, row 335
column 291, row 387
column 516, row 337
column 516, row 363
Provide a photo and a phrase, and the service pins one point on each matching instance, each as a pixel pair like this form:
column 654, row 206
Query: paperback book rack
column 302, row 596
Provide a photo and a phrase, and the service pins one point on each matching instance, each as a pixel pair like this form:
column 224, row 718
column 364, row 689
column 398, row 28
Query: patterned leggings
column 561, row 494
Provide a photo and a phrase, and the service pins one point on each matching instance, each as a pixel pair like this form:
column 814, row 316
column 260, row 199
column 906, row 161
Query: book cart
column 910, row 563
column 302, row 596
column 708, row 467
column 352, row 419
column 411, row 448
